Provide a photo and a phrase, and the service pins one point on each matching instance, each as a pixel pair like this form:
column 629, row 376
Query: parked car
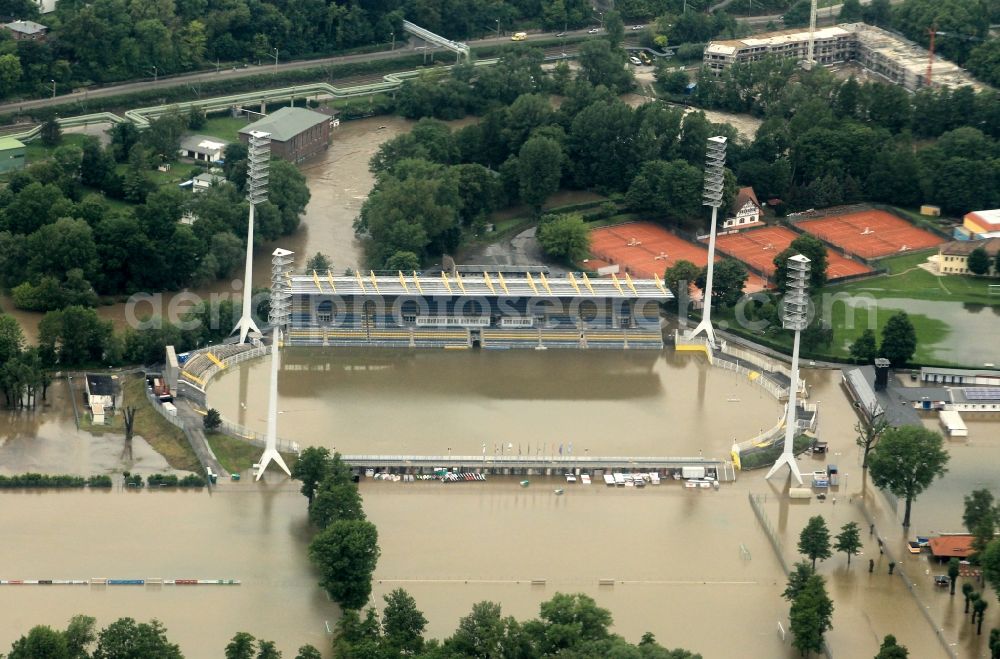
column 561, row 34
column 635, row 60
column 637, row 27
column 593, row 30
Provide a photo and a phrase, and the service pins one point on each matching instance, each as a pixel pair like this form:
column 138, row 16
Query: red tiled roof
column 946, row 546
column 742, row 197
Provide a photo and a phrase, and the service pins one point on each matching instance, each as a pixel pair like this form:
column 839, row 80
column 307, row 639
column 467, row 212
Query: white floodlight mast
column 715, row 162
column 278, row 318
column 258, row 163
column 795, row 317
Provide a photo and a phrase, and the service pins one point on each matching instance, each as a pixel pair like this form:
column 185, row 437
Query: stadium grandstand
column 500, row 311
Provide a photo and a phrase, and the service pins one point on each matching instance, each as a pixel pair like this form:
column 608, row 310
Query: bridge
column 535, row 464
column 460, row 49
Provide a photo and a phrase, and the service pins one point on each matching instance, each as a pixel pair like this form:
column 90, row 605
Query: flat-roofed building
column 892, row 57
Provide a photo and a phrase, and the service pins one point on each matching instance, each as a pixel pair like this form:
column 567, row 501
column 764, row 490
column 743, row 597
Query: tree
column 335, row 501
column 615, row 28
column 319, row 262
column 402, row 261
column 679, row 277
column 124, row 136
column 267, row 650
column 980, row 517
column 540, row 167
column 126, row 639
column 42, row 642
column 967, row 590
column 729, row 278
column 797, row 15
column 995, row 643
column 565, row 238
column 668, row 190
column 869, row 433
column 906, row 461
column 899, row 339
column 954, row 569
column 79, row 636
column 814, row 540
column 212, row 420
column 51, row 133
column 602, row 64
column 979, row 611
column 850, row 12
column 849, row 540
column 864, row 350
column 403, row 624
column 979, row 261
column 877, row 13
column 891, row 650
column 797, row 580
column 345, row 553
column 311, row 468
column 813, row 249
column 309, row 652
column 241, row 647
column 811, row 615
column 990, row 560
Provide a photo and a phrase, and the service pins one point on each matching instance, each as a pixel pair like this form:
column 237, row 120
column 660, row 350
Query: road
column 231, row 73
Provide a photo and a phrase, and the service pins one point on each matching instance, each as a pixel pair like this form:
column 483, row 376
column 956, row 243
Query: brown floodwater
column 604, row 403
column 47, row 440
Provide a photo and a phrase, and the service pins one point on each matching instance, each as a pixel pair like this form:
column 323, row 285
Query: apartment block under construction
column 885, row 54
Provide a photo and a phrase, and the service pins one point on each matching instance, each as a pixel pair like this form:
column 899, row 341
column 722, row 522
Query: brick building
column 296, row 133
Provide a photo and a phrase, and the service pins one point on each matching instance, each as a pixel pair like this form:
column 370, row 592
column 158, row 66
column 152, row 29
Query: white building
column 745, row 211
column 203, row 148
column 892, row 57
column 46, row 6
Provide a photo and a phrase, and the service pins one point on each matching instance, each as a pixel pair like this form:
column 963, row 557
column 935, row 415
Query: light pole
column 715, row 161
column 258, row 169
column 794, row 317
column 53, row 88
column 498, row 28
column 156, row 74
column 393, row 41
column 275, row 60
column 278, row 316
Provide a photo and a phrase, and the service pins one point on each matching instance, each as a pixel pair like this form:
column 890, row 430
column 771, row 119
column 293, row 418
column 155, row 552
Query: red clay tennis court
column 870, row 234
column 642, row 249
column 758, row 247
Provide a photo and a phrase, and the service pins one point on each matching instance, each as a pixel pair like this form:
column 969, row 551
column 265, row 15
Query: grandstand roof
column 480, row 285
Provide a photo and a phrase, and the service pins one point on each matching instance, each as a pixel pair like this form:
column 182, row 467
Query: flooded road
column 604, row 403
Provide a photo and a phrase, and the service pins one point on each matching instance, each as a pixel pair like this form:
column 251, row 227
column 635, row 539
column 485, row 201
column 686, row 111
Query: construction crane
column 934, row 32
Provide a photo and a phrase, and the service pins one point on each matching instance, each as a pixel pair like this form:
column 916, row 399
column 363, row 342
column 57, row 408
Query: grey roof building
column 296, row 133
column 27, row 30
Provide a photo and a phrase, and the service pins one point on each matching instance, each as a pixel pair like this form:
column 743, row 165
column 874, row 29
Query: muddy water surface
column 432, row 402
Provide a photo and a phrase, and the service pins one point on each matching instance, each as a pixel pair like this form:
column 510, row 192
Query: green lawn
column 238, row 456
column 906, row 280
column 35, row 151
column 224, row 127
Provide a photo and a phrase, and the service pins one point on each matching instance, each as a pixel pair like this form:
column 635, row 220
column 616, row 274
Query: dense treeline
column 63, row 242
column 52, row 481
column 568, row 625
column 346, row 549
column 109, row 40
column 435, row 187
column 827, row 141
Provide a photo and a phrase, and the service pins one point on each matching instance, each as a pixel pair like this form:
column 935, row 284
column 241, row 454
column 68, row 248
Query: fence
column 234, row 429
column 756, row 501
column 757, row 359
column 769, row 385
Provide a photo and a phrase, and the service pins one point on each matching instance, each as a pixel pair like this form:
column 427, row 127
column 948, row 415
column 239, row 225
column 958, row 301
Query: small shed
column 97, row 411
column 100, row 390
column 11, row 154
column 931, row 211
column 952, row 423
column 203, row 148
column 945, row 547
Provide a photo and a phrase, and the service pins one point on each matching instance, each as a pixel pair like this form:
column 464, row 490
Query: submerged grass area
column 239, row 456
column 168, row 440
